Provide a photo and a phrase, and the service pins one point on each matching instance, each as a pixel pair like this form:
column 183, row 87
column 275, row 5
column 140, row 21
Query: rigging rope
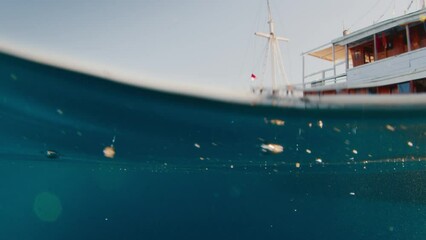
column 251, row 44
column 281, row 67
column 363, row 16
column 265, row 63
column 387, row 9
column 409, row 6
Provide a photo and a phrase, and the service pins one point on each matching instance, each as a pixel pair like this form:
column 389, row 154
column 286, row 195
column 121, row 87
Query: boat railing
column 289, row 91
column 325, row 77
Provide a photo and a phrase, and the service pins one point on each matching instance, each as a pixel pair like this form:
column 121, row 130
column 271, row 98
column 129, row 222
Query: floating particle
column 337, row 129
column 390, row 128
column 197, row 145
column 232, row 166
column 347, row 142
column 308, row 151
column 214, row 144
column 355, row 151
column 106, row 219
column 352, row 193
column 59, row 111
column 320, row 124
column 297, row 165
column 310, row 125
column 13, row 76
column 277, row 122
column 79, row 133
column 109, row 152
column 201, row 158
column 410, row 144
column 318, row 160
column 52, row 154
column 275, row 148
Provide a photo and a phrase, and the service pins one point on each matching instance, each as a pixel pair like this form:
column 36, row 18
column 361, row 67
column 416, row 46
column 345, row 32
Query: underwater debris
column 109, row 152
column 337, row 129
column 390, row 128
column 13, row 77
column 197, row 145
column 52, row 154
column 274, row 148
column 297, row 165
column 277, row 122
column 59, row 111
column 410, row 144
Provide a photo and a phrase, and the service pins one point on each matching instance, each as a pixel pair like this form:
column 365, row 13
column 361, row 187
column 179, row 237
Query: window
column 404, row 87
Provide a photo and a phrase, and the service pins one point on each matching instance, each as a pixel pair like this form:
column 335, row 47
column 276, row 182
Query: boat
column 388, row 57
column 380, row 65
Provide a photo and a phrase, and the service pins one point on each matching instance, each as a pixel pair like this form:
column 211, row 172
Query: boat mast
column 274, row 47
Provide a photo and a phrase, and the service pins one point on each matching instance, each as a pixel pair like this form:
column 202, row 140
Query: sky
column 207, row 42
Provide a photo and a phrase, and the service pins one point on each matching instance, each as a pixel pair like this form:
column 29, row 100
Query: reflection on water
column 85, row 158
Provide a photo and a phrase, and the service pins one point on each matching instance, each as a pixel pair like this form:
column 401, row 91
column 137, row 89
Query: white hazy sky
column 184, row 41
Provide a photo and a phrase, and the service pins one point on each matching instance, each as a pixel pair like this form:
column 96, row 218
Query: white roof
column 327, row 53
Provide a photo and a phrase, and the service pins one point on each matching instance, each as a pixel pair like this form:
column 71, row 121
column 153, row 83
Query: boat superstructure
column 388, row 57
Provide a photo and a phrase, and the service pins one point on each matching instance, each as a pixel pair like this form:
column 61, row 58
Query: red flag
column 253, row 77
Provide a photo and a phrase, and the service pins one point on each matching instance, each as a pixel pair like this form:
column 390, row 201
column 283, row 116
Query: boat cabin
column 386, row 58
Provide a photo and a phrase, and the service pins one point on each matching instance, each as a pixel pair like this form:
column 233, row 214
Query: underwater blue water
column 187, row 168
